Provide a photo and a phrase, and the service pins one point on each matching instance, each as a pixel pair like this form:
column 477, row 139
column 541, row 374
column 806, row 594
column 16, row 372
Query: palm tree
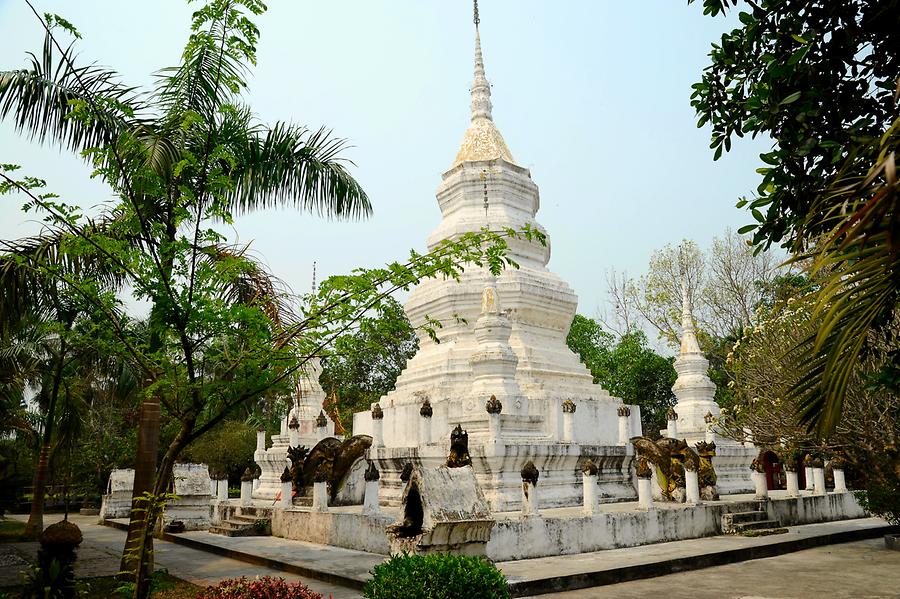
column 182, row 153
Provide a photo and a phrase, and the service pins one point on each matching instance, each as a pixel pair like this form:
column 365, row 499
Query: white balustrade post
column 793, row 483
column 671, row 424
column 589, row 484
column 287, row 489
column 260, row 439
column 529, row 490
column 692, row 487
column 247, row 488
column 426, row 412
column 840, row 480
column 808, row 474
column 818, row 478
column 568, row 408
column 645, row 481
column 371, row 505
column 377, row 426
column 762, row 488
column 222, row 489
column 624, row 434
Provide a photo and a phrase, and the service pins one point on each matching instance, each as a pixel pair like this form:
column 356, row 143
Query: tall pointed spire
column 689, row 344
column 482, row 140
column 481, row 89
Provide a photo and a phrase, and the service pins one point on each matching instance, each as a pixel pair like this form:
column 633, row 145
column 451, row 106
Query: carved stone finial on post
column 530, row 476
column 426, row 412
column 321, row 420
column 568, row 408
column 459, row 449
column 294, row 424
column 371, row 473
column 710, row 432
column 671, row 414
column 377, row 412
column 530, row 473
column 590, row 468
column 494, row 408
column 624, row 411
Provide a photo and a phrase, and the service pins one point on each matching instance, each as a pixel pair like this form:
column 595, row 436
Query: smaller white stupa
column 305, row 416
column 697, row 411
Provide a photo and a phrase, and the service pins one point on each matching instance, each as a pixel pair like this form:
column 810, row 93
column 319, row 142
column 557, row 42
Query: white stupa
column 698, row 411
column 307, row 407
column 513, row 346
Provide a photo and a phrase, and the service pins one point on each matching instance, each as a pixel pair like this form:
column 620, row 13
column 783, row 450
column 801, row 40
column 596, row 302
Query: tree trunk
column 144, row 477
column 144, row 553
column 35, row 525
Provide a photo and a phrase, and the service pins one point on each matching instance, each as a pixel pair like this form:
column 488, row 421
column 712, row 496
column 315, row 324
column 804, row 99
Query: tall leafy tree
column 181, row 159
column 820, row 79
column 363, row 365
column 626, row 367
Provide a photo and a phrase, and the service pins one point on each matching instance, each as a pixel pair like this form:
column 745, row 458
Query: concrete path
column 859, row 570
column 554, row 574
column 101, row 550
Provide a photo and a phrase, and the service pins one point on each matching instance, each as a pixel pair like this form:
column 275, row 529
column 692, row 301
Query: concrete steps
column 757, row 521
column 249, row 522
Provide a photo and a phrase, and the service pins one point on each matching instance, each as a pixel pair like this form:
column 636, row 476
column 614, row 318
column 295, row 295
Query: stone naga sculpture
column 332, row 459
column 297, row 456
column 707, row 474
column 459, row 449
column 669, row 457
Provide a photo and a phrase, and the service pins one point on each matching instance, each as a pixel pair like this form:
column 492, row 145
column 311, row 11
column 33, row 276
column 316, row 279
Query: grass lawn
column 168, row 587
column 11, row 531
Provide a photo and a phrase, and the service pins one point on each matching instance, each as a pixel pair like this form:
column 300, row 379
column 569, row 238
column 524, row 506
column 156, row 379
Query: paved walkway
column 859, row 570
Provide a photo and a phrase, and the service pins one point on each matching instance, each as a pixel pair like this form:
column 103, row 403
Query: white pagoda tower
column 698, row 411
column 512, row 346
column 308, row 399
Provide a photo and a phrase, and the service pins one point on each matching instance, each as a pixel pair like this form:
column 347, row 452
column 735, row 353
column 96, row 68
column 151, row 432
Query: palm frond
column 43, row 98
column 859, row 263
column 289, row 165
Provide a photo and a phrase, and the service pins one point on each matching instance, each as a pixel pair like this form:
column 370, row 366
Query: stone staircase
column 246, row 522
column 753, row 523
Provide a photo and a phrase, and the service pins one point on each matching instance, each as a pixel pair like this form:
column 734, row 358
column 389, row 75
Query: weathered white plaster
column 818, row 481
column 692, row 487
column 320, row 497
column 792, row 483
column 645, row 493
column 116, row 503
column 759, row 483
column 840, row 480
column 287, row 492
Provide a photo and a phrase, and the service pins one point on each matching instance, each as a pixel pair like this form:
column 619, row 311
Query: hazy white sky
column 591, row 95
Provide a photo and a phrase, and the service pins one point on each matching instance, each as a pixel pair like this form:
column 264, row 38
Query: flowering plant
column 266, row 587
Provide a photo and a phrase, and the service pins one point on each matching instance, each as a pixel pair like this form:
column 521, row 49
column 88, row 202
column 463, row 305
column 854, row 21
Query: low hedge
column 436, row 576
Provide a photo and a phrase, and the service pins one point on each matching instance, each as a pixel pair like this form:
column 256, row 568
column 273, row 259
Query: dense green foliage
column 226, row 449
column 363, row 364
column 882, row 498
column 820, row 79
column 627, row 368
column 436, row 576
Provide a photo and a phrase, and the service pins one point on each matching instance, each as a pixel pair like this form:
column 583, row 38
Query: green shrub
column 882, row 498
column 436, row 576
